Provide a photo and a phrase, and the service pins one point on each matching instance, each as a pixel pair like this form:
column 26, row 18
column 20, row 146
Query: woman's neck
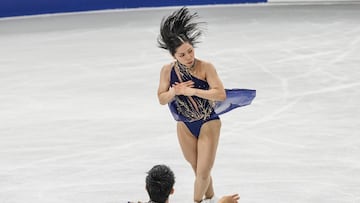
column 191, row 68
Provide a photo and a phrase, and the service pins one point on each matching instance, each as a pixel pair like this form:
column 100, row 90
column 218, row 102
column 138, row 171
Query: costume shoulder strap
column 177, row 72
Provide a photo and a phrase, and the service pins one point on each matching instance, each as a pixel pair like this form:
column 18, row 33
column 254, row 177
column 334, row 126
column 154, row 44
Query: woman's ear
column 172, row 191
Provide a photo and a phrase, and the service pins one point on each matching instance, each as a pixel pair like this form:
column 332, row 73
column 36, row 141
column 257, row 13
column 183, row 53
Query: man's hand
column 229, row 199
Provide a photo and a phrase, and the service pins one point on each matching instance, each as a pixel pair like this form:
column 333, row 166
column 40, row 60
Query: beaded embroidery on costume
column 192, row 107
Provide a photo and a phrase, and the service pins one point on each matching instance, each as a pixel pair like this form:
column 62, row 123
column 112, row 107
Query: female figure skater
column 195, row 95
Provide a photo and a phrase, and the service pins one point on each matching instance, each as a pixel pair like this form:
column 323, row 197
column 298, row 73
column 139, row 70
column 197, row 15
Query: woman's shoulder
column 166, row 70
column 167, row 67
column 206, row 65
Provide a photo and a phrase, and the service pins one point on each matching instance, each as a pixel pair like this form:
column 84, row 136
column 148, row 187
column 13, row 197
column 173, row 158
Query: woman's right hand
column 184, row 88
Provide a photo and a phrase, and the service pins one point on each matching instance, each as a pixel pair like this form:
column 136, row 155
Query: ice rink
column 80, row 121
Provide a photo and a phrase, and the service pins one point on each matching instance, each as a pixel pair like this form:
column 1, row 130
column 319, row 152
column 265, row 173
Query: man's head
column 159, row 183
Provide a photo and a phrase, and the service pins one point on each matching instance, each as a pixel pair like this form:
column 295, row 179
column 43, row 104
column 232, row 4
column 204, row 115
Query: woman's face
column 185, row 54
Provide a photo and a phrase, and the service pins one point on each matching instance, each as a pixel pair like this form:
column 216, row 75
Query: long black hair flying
column 178, row 28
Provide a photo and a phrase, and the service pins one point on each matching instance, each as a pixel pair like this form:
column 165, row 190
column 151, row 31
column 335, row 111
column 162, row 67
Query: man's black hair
column 159, row 183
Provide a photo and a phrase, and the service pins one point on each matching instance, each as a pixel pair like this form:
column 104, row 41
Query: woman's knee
column 193, row 166
column 203, row 174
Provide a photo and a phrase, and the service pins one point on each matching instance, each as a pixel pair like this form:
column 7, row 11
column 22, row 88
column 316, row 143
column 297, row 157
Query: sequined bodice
column 192, row 108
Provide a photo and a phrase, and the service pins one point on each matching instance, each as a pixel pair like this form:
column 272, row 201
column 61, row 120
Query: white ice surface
column 80, row 121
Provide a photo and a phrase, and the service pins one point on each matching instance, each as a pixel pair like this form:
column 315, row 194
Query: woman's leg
column 206, row 151
column 188, row 144
column 210, row 191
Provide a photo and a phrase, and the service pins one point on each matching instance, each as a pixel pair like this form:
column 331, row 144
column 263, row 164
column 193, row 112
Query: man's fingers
column 236, row 196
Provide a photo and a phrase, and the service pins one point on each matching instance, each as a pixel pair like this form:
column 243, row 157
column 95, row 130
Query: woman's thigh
column 207, row 146
column 188, row 144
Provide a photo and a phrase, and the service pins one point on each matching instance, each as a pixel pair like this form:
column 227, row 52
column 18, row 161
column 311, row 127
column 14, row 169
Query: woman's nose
column 188, row 56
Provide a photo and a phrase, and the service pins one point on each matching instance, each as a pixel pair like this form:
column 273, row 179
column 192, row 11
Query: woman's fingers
column 188, row 83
